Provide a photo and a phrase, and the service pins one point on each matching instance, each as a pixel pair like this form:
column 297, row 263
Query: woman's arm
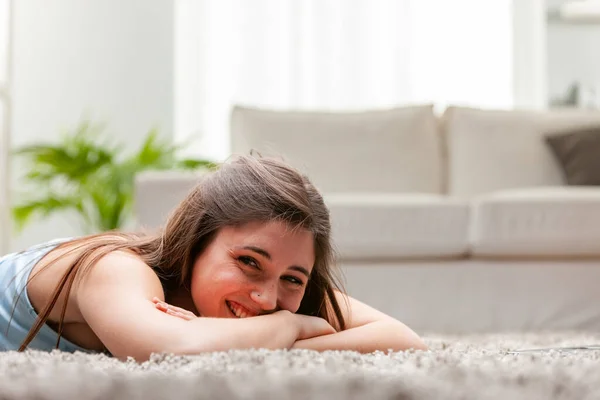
column 115, row 300
column 368, row 330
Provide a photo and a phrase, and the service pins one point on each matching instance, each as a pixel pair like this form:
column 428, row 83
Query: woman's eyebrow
column 302, row 270
column 258, row 250
column 266, row 255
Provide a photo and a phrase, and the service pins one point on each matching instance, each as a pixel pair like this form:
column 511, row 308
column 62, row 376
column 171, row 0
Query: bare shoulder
column 119, row 262
column 118, row 269
column 115, row 270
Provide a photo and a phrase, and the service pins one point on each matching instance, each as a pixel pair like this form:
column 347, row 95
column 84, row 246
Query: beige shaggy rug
column 468, row 367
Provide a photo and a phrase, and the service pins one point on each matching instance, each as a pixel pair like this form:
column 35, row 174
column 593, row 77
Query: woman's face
column 253, row 269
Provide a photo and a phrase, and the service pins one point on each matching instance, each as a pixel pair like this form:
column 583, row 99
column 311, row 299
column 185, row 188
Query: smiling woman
column 258, row 268
column 245, row 261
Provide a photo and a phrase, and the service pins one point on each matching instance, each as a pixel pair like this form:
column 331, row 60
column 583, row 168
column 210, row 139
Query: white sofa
column 458, row 223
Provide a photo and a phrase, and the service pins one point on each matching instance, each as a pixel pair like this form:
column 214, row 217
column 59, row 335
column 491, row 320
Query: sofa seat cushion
column 398, row 226
column 537, row 222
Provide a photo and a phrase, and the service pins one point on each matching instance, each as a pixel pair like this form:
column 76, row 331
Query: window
column 334, row 54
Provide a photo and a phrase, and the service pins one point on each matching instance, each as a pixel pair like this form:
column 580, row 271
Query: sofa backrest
column 490, row 150
column 395, row 150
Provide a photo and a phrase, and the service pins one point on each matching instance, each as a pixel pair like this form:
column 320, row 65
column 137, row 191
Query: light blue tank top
column 17, row 315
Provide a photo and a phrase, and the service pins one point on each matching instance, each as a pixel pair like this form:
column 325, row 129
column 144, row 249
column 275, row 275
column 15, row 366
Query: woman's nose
column 265, row 296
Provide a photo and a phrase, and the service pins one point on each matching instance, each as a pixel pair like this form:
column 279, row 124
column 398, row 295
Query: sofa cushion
column 398, row 226
column 157, row 193
column 537, row 222
column 491, row 150
column 395, row 150
column 578, row 154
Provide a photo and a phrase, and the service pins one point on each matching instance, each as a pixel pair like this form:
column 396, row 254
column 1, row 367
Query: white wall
column 529, row 54
column 573, row 56
column 550, row 55
column 4, row 195
column 5, row 105
column 110, row 60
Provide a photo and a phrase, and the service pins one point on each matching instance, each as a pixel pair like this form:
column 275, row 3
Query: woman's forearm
column 379, row 335
column 274, row 331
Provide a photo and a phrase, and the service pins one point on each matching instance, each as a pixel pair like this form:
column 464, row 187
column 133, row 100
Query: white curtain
column 334, row 55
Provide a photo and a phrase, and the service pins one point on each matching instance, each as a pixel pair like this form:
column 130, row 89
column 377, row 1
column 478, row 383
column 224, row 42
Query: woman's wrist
column 289, row 322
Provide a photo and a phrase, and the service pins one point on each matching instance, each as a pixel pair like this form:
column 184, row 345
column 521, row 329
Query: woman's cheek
column 291, row 303
column 233, row 276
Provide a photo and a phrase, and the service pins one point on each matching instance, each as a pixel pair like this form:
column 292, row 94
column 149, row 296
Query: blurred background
column 441, row 105
column 179, row 66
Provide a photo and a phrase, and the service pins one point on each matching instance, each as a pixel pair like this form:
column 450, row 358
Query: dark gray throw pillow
column 578, row 153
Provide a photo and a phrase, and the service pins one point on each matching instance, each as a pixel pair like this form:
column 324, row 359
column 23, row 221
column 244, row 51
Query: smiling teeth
column 237, row 311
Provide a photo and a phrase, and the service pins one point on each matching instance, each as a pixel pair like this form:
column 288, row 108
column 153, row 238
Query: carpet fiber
column 468, row 367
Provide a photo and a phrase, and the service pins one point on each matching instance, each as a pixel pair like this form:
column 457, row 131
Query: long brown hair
column 244, row 189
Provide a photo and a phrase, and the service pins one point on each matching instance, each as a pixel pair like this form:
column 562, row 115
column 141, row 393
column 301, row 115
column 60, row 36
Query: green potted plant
column 85, row 173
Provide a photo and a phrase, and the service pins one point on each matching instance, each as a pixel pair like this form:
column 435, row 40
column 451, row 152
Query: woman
column 248, row 251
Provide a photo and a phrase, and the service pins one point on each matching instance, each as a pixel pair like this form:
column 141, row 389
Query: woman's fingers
column 169, row 310
column 172, row 310
column 179, row 315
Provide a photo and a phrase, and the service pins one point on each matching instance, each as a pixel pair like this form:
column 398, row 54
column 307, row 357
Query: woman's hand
column 174, row 311
column 308, row 326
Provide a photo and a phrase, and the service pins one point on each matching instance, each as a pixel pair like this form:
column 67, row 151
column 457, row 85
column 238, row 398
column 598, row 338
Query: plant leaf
column 189, row 163
column 91, row 169
column 44, row 206
column 77, row 156
column 155, row 153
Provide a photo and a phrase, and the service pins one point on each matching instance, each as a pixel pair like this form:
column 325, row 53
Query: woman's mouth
column 238, row 310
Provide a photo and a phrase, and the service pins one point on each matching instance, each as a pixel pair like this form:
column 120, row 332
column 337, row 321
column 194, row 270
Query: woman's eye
column 249, row 261
column 294, row 280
